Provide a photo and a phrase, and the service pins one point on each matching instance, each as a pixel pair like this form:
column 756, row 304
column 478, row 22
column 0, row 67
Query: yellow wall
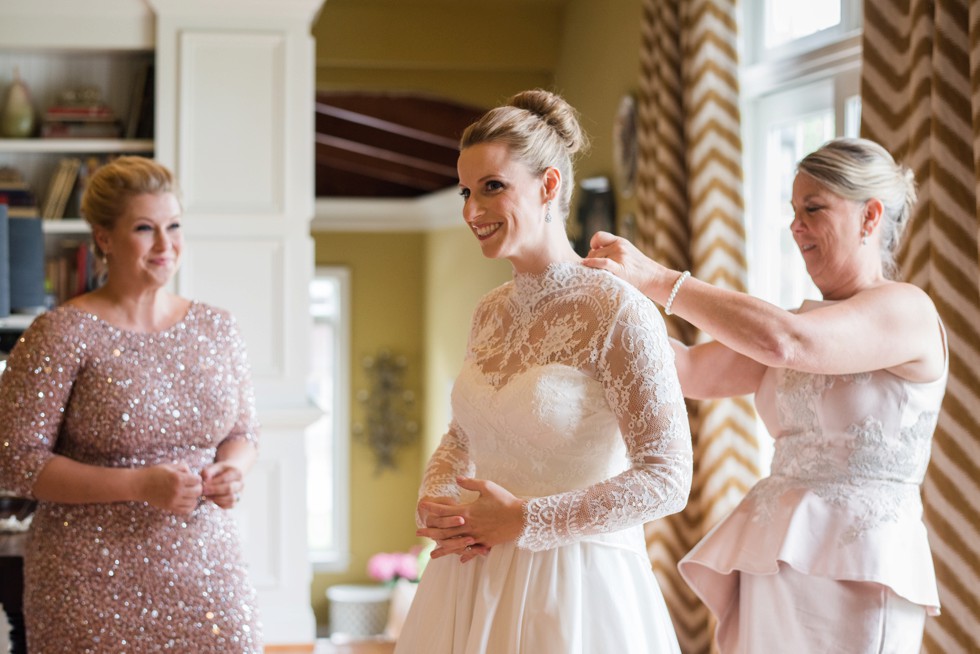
column 457, row 275
column 387, row 273
column 473, row 52
column 599, row 63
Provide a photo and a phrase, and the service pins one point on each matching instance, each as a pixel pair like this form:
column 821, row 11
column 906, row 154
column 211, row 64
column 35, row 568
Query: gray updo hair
column 859, row 170
column 541, row 130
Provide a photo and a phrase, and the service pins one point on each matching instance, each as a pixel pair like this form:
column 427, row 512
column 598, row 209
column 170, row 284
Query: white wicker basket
column 358, row 611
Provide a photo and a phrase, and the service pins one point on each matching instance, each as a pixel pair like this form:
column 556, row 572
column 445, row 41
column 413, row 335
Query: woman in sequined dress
column 829, row 553
column 129, row 414
column 568, row 433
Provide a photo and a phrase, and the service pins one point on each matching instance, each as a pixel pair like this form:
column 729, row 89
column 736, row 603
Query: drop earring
column 547, row 215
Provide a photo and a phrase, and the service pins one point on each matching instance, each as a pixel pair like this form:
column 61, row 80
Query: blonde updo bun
column 541, row 130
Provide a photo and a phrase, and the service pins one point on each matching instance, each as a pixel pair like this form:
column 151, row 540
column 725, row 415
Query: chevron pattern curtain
column 690, row 217
column 920, row 96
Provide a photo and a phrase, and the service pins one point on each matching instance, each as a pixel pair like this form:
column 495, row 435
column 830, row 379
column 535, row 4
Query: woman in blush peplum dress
column 829, row 553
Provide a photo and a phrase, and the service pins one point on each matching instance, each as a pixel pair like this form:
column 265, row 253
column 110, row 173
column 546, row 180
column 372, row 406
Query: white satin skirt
column 793, row 612
column 595, row 596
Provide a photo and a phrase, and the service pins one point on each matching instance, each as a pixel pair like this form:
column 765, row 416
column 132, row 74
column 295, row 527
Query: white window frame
column 338, row 559
column 794, row 79
column 754, row 51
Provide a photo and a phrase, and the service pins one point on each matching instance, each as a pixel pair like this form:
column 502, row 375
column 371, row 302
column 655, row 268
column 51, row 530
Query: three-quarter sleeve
column 636, row 369
column 34, row 392
column 246, row 425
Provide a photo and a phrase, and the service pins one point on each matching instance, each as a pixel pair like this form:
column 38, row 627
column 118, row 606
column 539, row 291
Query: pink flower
column 386, row 567
column 407, row 566
column 381, row 566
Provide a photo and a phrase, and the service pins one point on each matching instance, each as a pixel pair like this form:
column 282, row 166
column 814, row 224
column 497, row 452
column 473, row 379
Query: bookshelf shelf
column 17, row 322
column 53, row 169
column 77, row 146
column 65, row 226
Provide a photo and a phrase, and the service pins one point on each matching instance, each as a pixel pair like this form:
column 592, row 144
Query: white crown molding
column 434, row 211
column 304, row 9
column 69, row 24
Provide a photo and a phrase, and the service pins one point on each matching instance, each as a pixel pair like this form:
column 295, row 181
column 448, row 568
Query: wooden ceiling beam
column 369, row 136
column 348, row 183
column 381, row 169
column 386, row 155
column 387, row 126
column 387, row 144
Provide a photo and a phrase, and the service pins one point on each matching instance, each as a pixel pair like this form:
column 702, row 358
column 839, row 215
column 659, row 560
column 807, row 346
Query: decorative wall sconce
column 388, row 407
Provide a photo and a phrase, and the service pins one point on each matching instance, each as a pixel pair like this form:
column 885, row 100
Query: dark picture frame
column 596, row 211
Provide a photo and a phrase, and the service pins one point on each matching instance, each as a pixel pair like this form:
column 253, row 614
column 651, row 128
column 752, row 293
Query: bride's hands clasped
column 496, row 516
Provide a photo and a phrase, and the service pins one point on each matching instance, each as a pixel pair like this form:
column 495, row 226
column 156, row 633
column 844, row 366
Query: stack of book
column 80, row 121
column 68, row 184
column 17, row 194
column 71, row 270
column 60, row 188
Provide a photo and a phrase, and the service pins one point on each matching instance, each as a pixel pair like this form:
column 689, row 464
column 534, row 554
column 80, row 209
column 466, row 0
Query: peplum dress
column 843, row 499
column 126, row 576
column 568, row 397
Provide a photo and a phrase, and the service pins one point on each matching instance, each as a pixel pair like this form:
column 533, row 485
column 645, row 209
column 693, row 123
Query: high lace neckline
column 528, row 284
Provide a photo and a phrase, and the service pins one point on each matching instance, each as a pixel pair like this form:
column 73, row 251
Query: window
column 800, row 87
column 326, row 441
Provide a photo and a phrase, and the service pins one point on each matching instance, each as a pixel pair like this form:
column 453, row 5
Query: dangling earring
column 864, row 237
column 547, row 215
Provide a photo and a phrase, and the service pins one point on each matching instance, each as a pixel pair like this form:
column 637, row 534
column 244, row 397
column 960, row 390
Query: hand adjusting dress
column 568, row 396
column 127, row 577
column 842, row 501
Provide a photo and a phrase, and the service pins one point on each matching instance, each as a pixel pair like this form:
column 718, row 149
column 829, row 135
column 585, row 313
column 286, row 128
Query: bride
column 569, row 428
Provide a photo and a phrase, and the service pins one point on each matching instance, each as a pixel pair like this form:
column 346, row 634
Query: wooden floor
column 324, row 646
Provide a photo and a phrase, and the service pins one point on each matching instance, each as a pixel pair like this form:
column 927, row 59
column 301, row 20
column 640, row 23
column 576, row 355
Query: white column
column 235, row 90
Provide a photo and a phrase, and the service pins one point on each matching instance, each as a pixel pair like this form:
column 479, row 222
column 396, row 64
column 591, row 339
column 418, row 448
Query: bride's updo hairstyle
column 541, row 130
column 859, row 170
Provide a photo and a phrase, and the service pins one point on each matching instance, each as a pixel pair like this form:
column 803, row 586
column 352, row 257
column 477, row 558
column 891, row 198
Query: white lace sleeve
column 450, row 460
column 636, row 369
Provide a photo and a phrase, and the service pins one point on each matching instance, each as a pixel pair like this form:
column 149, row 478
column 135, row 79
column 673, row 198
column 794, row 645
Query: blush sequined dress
column 128, row 577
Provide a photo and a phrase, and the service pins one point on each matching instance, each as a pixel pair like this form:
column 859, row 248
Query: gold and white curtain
column 690, row 217
column 920, row 97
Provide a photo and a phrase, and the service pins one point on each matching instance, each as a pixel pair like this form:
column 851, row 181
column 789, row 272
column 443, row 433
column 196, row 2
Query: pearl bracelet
column 673, row 291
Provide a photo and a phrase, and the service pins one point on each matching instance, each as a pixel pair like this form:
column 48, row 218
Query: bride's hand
column 443, row 525
column 495, row 517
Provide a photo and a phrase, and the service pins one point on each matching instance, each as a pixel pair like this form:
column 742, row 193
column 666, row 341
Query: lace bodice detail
column 569, row 397
column 860, row 442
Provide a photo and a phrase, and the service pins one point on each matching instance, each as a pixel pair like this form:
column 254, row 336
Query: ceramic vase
column 17, row 115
